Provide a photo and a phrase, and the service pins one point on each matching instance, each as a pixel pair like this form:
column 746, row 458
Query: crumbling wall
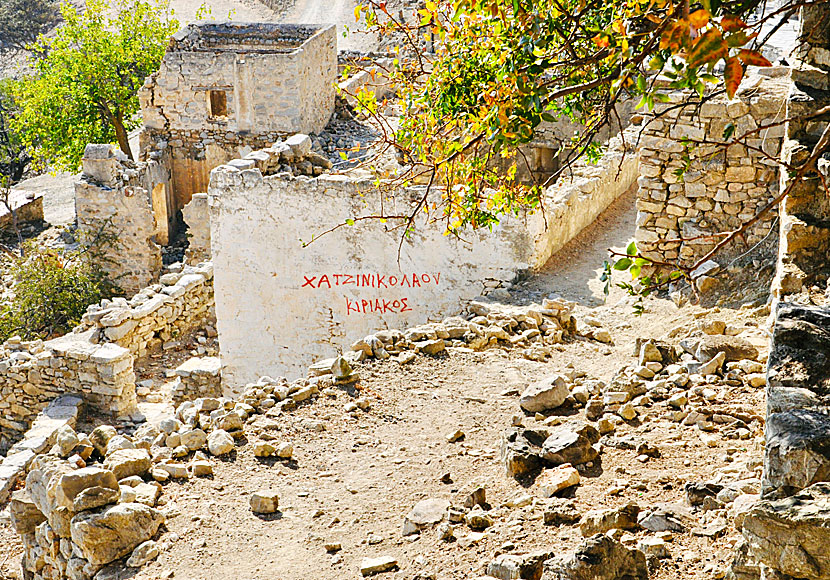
column 34, row 373
column 224, row 89
column 121, row 209
column 26, row 204
column 96, row 360
column 40, row 437
column 804, row 251
column 719, row 190
column 180, row 303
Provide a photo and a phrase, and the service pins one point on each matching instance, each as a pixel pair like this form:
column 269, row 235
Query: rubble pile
column 534, row 329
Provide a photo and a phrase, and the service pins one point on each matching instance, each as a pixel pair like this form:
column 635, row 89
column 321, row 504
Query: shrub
column 51, row 293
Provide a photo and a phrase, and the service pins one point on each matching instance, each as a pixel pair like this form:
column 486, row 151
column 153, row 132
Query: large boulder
column 113, row 532
column 544, row 395
column 599, row 557
column 791, row 535
column 570, row 443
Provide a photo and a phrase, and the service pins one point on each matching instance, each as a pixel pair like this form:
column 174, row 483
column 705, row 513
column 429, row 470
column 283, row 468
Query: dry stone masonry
column 718, row 191
column 121, row 208
column 180, row 303
column 32, row 374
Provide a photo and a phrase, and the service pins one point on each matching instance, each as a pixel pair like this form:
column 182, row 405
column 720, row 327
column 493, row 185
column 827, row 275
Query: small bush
column 51, row 293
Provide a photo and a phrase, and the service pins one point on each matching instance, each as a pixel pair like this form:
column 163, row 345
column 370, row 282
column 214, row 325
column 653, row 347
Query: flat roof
column 230, row 36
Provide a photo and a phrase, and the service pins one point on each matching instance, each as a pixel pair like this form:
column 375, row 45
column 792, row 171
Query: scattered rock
column 264, row 502
column 544, row 395
column 371, row 566
column 424, row 514
column 220, row 442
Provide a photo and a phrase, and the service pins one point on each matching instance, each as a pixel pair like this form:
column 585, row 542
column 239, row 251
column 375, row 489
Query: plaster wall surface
column 281, row 306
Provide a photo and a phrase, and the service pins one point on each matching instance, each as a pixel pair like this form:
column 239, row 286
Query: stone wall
column 180, row 303
column 34, row 373
column 27, row 204
column 224, row 89
column 718, row 191
column 96, row 360
column 198, row 377
column 128, row 202
column 353, row 280
column 62, row 411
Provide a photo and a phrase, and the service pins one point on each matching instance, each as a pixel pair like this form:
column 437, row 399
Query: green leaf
column 728, row 131
column 350, row 222
column 622, row 264
column 631, row 250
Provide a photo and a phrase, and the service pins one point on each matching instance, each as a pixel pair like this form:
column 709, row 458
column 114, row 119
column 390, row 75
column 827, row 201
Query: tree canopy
column 85, row 89
column 499, row 68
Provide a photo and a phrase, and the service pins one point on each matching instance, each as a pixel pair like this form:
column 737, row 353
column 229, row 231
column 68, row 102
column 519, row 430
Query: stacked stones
column 34, row 373
column 181, row 302
column 61, row 412
column 532, row 328
column 197, row 218
column 87, row 504
column 293, row 156
column 198, row 377
column 718, row 191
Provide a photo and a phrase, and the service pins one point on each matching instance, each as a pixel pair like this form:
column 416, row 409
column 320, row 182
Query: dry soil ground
column 354, row 481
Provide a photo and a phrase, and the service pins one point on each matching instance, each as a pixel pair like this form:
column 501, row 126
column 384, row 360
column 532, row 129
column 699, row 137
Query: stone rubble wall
column 180, row 303
column 198, row 377
column 276, row 79
column 718, row 191
column 114, row 198
column 32, row 374
column 96, row 360
column 28, row 206
column 63, row 410
column 786, row 534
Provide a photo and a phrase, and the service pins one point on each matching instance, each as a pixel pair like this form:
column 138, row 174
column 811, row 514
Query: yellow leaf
column 699, row 18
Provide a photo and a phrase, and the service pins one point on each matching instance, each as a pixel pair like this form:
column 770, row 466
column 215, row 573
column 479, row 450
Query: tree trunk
column 121, row 134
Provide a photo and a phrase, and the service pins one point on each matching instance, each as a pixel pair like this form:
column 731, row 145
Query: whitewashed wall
column 281, row 306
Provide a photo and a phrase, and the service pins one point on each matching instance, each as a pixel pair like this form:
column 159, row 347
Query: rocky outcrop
column 791, row 535
column 798, row 417
column 599, row 557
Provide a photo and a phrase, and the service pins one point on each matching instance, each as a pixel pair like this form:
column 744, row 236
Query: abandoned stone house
column 225, row 145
